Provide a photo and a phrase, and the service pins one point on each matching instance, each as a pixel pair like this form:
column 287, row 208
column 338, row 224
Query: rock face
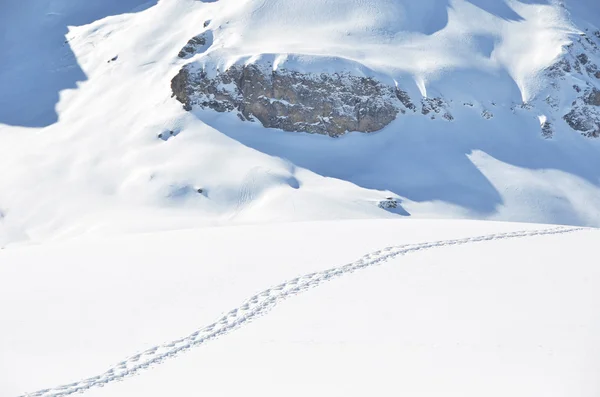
column 593, row 97
column 579, row 64
column 336, row 103
column 585, row 114
column 433, row 106
column 196, row 45
column 331, row 104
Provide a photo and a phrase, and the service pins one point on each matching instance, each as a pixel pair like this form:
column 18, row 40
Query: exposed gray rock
column 579, row 66
column 486, row 114
column 559, row 69
column 331, row 104
column 388, row 203
column 585, row 113
column 166, row 135
column 593, row 97
column 405, row 99
column 181, row 89
column 435, row 106
column 584, row 120
column 547, row 131
column 336, row 103
column 196, row 45
column 583, row 58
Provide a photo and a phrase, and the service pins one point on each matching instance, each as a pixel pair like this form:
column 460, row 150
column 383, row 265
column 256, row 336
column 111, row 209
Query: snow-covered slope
column 440, row 312
column 148, row 118
column 93, row 142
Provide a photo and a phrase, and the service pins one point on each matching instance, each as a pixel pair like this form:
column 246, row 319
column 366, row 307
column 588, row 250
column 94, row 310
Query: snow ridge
column 263, row 302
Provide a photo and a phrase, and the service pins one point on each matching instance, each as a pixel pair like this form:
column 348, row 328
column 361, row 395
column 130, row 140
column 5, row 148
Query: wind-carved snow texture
column 262, row 302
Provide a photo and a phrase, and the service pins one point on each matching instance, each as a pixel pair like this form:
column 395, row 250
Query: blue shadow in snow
column 431, row 16
column 37, row 63
column 427, row 161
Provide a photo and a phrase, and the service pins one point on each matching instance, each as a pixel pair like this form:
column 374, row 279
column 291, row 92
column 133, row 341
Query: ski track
column 260, row 304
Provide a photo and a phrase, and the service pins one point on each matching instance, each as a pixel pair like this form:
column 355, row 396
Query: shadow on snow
column 37, row 63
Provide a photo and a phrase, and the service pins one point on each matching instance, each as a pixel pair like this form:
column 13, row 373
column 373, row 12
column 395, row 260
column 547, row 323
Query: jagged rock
column 180, row 89
column 196, row 45
column 388, row 203
column 559, row 69
column 435, row 105
column 331, row 104
column 431, row 105
column 405, row 99
column 585, row 121
column 486, row 114
column 589, row 41
column 336, row 103
column 585, row 114
column 593, row 98
column 583, row 58
column 547, row 131
column 579, row 63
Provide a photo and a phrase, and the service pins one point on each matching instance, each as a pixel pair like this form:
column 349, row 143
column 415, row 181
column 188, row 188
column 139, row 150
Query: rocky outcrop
column 196, row 45
column 388, row 203
column 547, row 130
column 336, row 103
column 331, row 104
column 593, row 97
column 585, row 114
column 405, row 99
column 579, row 66
column 433, row 106
column 181, row 89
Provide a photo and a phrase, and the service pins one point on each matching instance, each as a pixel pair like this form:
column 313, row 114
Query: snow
column 109, row 248
column 127, row 222
column 512, row 312
column 79, row 133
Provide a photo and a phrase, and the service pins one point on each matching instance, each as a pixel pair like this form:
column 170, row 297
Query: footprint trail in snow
column 260, row 304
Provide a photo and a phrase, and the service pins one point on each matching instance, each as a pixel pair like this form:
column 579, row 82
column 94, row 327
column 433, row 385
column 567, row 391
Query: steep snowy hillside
column 124, row 116
column 449, row 308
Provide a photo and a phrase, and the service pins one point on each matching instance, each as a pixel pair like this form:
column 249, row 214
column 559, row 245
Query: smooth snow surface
column 80, row 153
column 441, row 312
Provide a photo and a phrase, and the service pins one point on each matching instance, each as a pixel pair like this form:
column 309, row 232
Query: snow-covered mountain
column 481, row 109
column 316, row 134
